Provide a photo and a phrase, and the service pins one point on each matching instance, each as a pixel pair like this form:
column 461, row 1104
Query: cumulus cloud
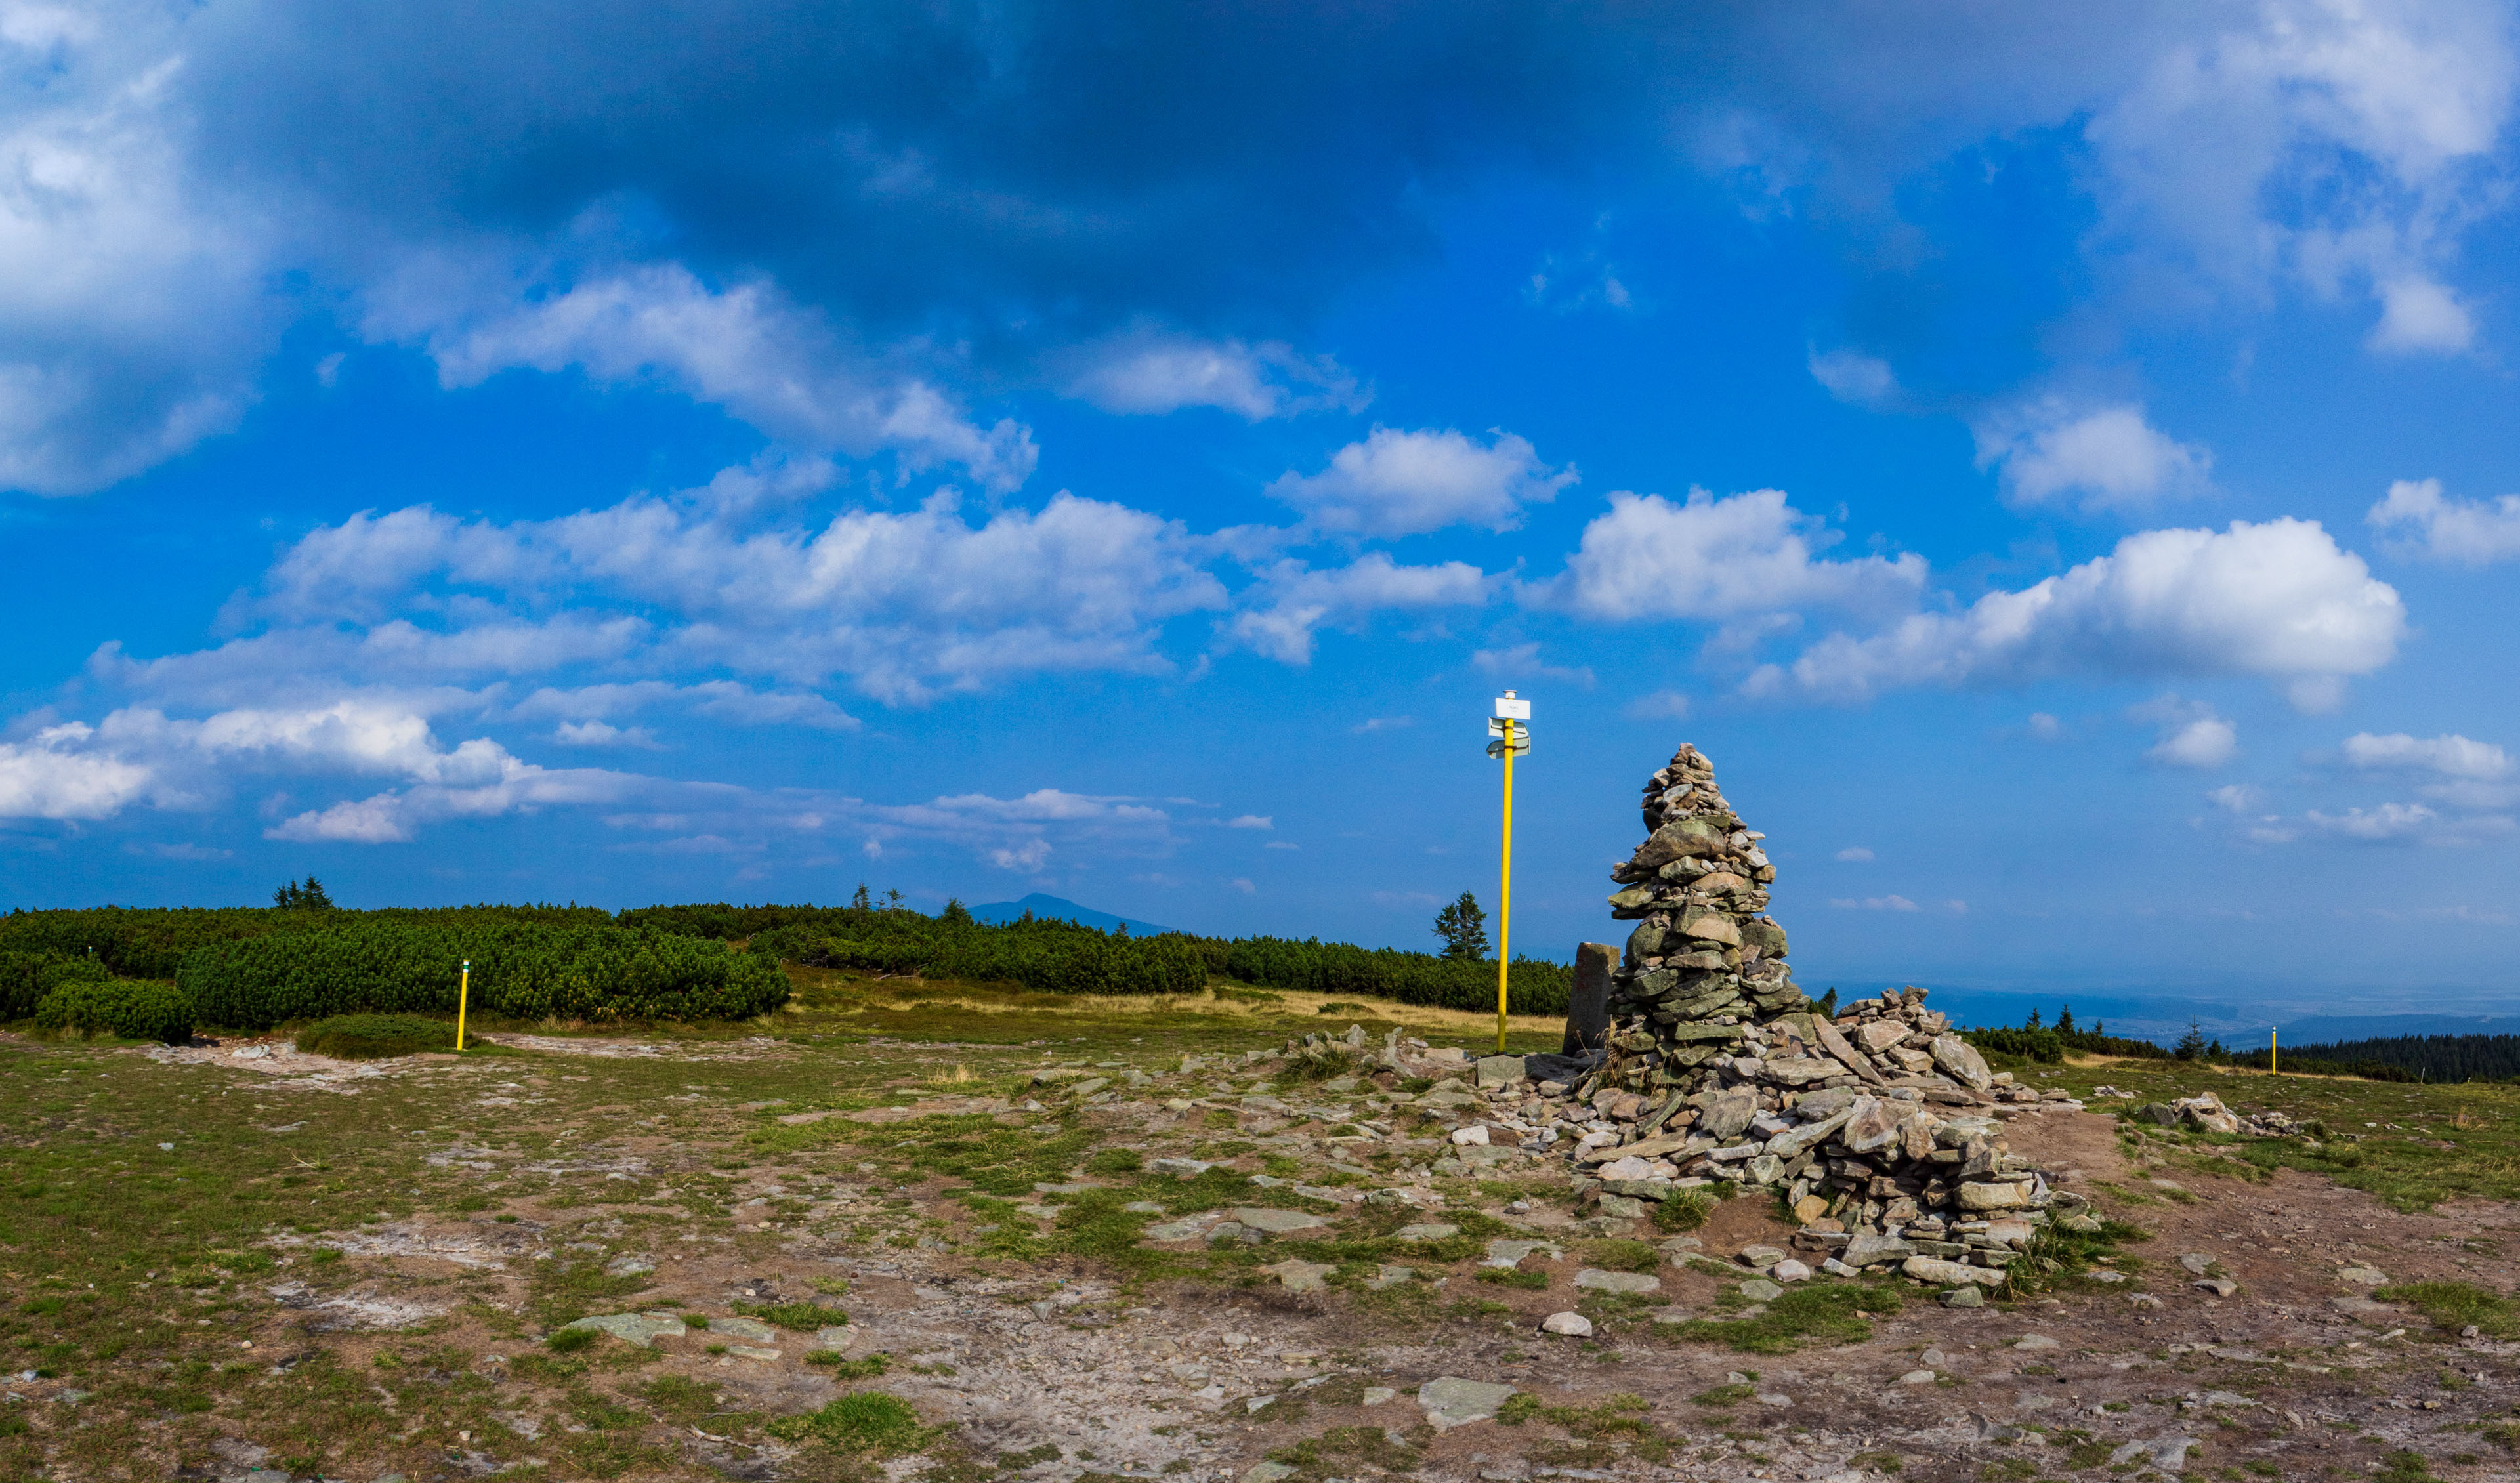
column 2192, row 735
column 1520, row 663
column 1872, row 904
column 2463, row 532
column 2276, row 599
column 1721, row 559
column 1661, row 705
column 1854, row 853
column 1144, row 371
column 2109, row 456
column 1397, row 483
column 1291, row 601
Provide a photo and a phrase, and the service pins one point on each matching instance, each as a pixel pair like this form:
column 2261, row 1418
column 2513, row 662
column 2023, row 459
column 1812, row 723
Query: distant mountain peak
column 1061, row 908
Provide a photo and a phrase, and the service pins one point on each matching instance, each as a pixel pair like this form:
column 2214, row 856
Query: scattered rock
column 1573, row 1326
column 1759, row 1290
column 1298, row 1275
column 1450, row 1400
column 1617, row 1281
column 637, row 1327
column 1275, row 1222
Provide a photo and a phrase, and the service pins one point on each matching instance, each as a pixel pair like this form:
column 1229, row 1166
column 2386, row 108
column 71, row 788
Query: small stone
column 637, row 1329
column 1502, row 1252
column 1497, row 1071
column 1964, row 1297
column 1762, row 1257
column 1426, row 1230
column 1476, row 1134
column 2197, row 1263
column 1621, row 1207
column 1597, row 1281
column 1142, row 1207
column 1268, row 1472
column 749, row 1352
column 1573, row 1326
column 1917, row 1378
column 1388, row 1275
column 2169, row 1453
column 1809, row 1208
column 1278, row 1221
column 1298, row 1275
column 744, row 1328
column 1185, row 1168
column 1376, row 1395
column 1759, row 1290
column 1188, row 1228
column 1790, row 1270
column 2363, row 1277
column 2220, row 1286
column 2034, row 1341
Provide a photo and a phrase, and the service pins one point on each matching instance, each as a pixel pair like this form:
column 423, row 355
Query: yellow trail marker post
column 462, row 1001
column 2271, row 1069
column 1511, row 726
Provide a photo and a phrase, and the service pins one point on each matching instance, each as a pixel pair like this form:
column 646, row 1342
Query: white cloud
column 1148, row 371
column 1521, row 663
column 1291, row 601
column 2387, row 823
column 604, row 734
column 1372, row 724
column 2043, row 727
column 1854, row 377
column 189, row 853
column 1855, row 852
column 1243, row 884
column 1872, row 904
column 2418, row 316
column 906, row 604
column 1712, row 558
column 1661, row 705
column 1251, row 821
column 2191, row 734
column 2108, row 456
column 2468, row 532
column 48, row 780
column 2450, row 755
column 2236, row 798
column 1398, row 484
column 1282, row 844
column 2278, row 599
column 744, row 348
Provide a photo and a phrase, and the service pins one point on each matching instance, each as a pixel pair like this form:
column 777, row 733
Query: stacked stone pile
column 1881, row 1126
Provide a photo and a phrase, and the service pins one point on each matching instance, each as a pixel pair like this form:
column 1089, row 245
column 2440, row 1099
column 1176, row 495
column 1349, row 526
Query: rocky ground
column 1260, row 1267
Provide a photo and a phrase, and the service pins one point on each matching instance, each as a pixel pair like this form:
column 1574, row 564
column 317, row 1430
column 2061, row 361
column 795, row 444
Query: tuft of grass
column 1514, row 1276
column 1116, row 1161
column 797, row 1318
column 373, row 1037
column 843, row 1367
column 1684, row 1211
column 861, row 1421
column 572, row 1340
column 2456, row 1305
column 1720, row 1397
column 1623, row 1255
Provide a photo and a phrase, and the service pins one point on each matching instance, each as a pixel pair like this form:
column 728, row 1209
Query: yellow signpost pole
column 1504, row 891
column 462, row 1001
column 2271, row 1052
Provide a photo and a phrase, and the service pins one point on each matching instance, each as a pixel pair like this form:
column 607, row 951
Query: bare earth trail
column 734, row 1180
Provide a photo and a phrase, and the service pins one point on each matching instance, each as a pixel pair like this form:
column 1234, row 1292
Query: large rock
column 1277, row 1221
column 1873, row 1125
column 1499, row 1070
column 1682, row 838
column 637, row 1327
column 1835, row 1044
column 1933, row 1269
column 1960, row 1060
column 1993, row 1194
column 1597, row 1281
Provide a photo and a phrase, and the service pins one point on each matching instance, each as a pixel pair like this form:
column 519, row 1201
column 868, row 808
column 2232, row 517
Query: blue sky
column 2058, row 465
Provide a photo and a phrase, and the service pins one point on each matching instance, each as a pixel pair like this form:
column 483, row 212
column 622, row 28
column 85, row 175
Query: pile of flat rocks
column 1882, row 1128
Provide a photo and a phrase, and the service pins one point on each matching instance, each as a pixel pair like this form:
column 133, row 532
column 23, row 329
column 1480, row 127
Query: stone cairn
column 1881, row 1128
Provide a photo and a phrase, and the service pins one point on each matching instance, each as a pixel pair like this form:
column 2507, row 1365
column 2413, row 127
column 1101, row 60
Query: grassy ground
column 166, row 1229
column 149, row 1210
column 2412, row 1146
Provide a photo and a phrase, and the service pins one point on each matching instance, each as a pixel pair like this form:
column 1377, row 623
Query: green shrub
column 520, row 968
column 572, row 1340
column 863, row 1421
column 800, row 1318
column 1686, row 1210
column 135, row 1009
column 26, row 978
column 373, row 1037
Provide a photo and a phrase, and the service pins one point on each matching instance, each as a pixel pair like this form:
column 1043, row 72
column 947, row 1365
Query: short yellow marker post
column 2271, row 1069
column 1510, row 725
column 462, row 1001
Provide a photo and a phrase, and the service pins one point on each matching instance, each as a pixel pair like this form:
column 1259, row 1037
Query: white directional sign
column 1508, row 708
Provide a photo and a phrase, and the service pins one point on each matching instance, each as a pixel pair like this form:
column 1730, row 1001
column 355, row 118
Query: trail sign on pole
column 1510, row 724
